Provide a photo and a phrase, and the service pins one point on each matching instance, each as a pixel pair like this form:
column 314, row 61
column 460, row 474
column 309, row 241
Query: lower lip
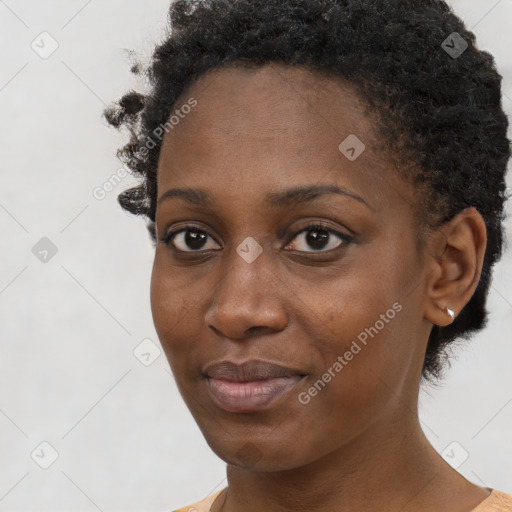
column 247, row 396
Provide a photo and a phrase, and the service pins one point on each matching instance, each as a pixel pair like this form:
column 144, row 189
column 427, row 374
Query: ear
column 456, row 255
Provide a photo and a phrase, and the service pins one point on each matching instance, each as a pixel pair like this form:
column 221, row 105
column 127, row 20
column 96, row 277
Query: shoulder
column 200, row 506
column 497, row 501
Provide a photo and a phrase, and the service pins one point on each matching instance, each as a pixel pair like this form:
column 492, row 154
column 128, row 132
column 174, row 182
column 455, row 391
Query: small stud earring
column 450, row 312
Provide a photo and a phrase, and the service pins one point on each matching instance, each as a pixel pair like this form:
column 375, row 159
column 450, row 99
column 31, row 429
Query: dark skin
column 358, row 444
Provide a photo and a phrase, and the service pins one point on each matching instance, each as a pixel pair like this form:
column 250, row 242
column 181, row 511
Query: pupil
column 317, row 241
column 194, row 239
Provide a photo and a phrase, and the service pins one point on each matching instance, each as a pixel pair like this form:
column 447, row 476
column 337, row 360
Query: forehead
column 271, row 125
column 278, row 96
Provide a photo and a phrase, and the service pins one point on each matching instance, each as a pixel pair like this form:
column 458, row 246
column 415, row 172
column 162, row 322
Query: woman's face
column 340, row 307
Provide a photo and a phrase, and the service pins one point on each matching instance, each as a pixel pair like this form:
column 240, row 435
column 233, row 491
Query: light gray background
column 69, row 326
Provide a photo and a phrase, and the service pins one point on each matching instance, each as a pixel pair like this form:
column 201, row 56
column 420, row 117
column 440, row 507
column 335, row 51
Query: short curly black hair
column 437, row 110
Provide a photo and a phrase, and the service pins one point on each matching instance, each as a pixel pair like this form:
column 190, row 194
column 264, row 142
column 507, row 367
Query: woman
column 324, row 182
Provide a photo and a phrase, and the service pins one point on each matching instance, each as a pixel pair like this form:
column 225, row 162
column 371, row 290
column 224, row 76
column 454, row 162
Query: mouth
column 249, row 386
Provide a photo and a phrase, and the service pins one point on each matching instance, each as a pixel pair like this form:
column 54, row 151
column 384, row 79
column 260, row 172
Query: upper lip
column 248, row 371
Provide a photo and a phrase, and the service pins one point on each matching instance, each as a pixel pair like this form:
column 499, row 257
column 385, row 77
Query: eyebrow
column 280, row 199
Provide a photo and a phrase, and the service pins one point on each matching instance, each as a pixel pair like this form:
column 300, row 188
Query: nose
column 248, row 300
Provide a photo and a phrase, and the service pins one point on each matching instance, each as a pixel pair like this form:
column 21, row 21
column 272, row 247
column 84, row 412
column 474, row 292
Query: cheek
column 364, row 337
column 172, row 311
column 356, row 382
column 367, row 355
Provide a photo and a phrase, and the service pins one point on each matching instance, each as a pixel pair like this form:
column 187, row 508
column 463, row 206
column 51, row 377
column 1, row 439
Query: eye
column 189, row 236
column 319, row 238
column 315, row 236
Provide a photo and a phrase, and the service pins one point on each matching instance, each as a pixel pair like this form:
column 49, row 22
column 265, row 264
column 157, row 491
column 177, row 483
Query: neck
column 394, row 467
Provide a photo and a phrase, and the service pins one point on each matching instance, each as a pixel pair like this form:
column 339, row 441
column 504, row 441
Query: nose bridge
column 246, row 295
column 245, row 280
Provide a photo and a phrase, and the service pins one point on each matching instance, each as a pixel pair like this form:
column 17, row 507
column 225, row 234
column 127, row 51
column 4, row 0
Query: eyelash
column 318, row 226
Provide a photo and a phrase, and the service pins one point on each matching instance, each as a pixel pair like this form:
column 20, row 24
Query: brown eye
column 320, row 238
column 188, row 239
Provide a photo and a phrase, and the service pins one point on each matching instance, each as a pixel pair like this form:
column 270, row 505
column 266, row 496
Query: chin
column 258, row 455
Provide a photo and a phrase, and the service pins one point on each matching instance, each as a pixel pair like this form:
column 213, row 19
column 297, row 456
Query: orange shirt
column 497, row 501
column 201, row 506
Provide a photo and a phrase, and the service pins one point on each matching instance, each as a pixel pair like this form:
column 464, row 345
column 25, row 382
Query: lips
column 248, row 386
column 248, row 371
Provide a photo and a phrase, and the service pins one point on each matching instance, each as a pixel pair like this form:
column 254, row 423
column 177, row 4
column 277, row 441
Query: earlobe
column 457, row 253
column 444, row 315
